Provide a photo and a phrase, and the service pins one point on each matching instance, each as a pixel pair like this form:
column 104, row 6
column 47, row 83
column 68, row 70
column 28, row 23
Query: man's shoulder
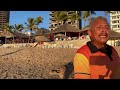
column 111, row 47
column 83, row 49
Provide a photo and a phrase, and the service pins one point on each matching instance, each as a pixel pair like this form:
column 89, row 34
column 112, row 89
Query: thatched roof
column 65, row 28
column 41, row 38
column 5, row 33
column 60, row 35
column 19, row 34
column 85, row 28
column 41, row 31
column 10, row 34
column 114, row 34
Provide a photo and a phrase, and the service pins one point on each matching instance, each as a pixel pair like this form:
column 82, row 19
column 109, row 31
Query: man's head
column 99, row 30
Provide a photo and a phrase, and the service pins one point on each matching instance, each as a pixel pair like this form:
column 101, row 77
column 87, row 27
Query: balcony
column 51, row 12
column 51, row 27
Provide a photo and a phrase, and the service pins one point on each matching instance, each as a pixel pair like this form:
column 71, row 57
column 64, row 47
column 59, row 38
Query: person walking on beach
column 96, row 59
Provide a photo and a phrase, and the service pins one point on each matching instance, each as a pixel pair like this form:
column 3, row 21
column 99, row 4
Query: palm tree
column 38, row 20
column 60, row 16
column 31, row 25
column 1, row 28
column 18, row 27
column 86, row 14
column 74, row 16
column 64, row 16
column 90, row 19
column 8, row 28
column 107, row 12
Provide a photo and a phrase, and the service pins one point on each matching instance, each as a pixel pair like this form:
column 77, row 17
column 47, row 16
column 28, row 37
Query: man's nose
column 103, row 28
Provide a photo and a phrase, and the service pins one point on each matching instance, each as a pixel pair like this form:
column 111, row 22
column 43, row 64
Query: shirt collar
column 94, row 49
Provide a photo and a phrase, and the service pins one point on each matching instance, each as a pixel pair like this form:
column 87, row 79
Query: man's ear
column 89, row 33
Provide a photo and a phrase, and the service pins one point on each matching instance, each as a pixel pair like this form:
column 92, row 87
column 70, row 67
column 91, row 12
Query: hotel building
column 115, row 20
column 4, row 18
column 53, row 22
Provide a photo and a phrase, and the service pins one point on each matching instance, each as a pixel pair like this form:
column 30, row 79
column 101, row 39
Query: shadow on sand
column 11, row 52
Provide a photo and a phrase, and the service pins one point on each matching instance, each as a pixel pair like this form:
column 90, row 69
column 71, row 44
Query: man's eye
column 98, row 27
column 107, row 27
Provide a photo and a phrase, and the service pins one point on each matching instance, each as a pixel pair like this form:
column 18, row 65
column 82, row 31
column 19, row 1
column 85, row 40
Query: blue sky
column 19, row 17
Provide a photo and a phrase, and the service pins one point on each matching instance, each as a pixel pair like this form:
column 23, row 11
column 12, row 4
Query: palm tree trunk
column 65, row 21
column 13, row 39
column 57, row 24
column 90, row 16
column 37, row 26
column 84, row 22
column 29, row 36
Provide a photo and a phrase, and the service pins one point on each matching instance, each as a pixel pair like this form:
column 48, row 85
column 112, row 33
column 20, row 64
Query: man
column 96, row 59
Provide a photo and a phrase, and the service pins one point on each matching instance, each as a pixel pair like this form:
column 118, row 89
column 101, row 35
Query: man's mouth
column 103, row 35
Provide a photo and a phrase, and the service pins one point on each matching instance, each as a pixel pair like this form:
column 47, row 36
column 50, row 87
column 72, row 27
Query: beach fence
column 57, row 44
column 16, row 45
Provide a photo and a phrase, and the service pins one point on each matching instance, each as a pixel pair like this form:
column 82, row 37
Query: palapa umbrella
column 86, row 28
column 41, row 38
column 41, row 31
column 65, row 28
column 60, row 35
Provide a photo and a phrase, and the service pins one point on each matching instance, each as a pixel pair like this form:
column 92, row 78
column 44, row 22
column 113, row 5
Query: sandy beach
column 33, row 62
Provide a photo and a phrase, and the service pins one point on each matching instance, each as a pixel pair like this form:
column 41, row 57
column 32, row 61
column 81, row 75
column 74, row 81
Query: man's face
column 100, row 31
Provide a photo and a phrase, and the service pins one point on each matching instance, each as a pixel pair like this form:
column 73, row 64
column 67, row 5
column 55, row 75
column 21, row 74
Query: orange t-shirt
column 89, row 63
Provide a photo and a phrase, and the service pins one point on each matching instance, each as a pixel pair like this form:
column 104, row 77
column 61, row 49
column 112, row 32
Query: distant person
column 96, row 59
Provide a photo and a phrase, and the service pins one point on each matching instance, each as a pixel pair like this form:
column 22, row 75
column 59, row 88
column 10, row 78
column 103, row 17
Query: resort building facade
column 115, row 20
column 53, row 22
column 4, row 18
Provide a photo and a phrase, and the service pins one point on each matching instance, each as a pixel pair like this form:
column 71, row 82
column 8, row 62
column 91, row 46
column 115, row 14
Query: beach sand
column 34, row 63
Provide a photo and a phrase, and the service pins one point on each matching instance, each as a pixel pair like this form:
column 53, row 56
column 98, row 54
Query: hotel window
column 113, row 17
column 114, row 26
column 69, row 22
column 113, row 12
column 113, row 22
column 51, row 29
column 117, row 16
column 118, row 26
column 55, row 25
column 117, row 12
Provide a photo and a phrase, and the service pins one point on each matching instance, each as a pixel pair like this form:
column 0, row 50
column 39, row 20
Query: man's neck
column 98, row 45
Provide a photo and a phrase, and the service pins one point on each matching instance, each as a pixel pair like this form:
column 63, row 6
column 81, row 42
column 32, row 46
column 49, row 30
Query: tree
column 63, row 16
column 38, row 20
column 90, row 19
column 1, row 28
column 107, row 12
column 74, row 16
column 31, row 25
column 86, row 14
column 59, row 16
column 8, row 28
column 18, row 27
